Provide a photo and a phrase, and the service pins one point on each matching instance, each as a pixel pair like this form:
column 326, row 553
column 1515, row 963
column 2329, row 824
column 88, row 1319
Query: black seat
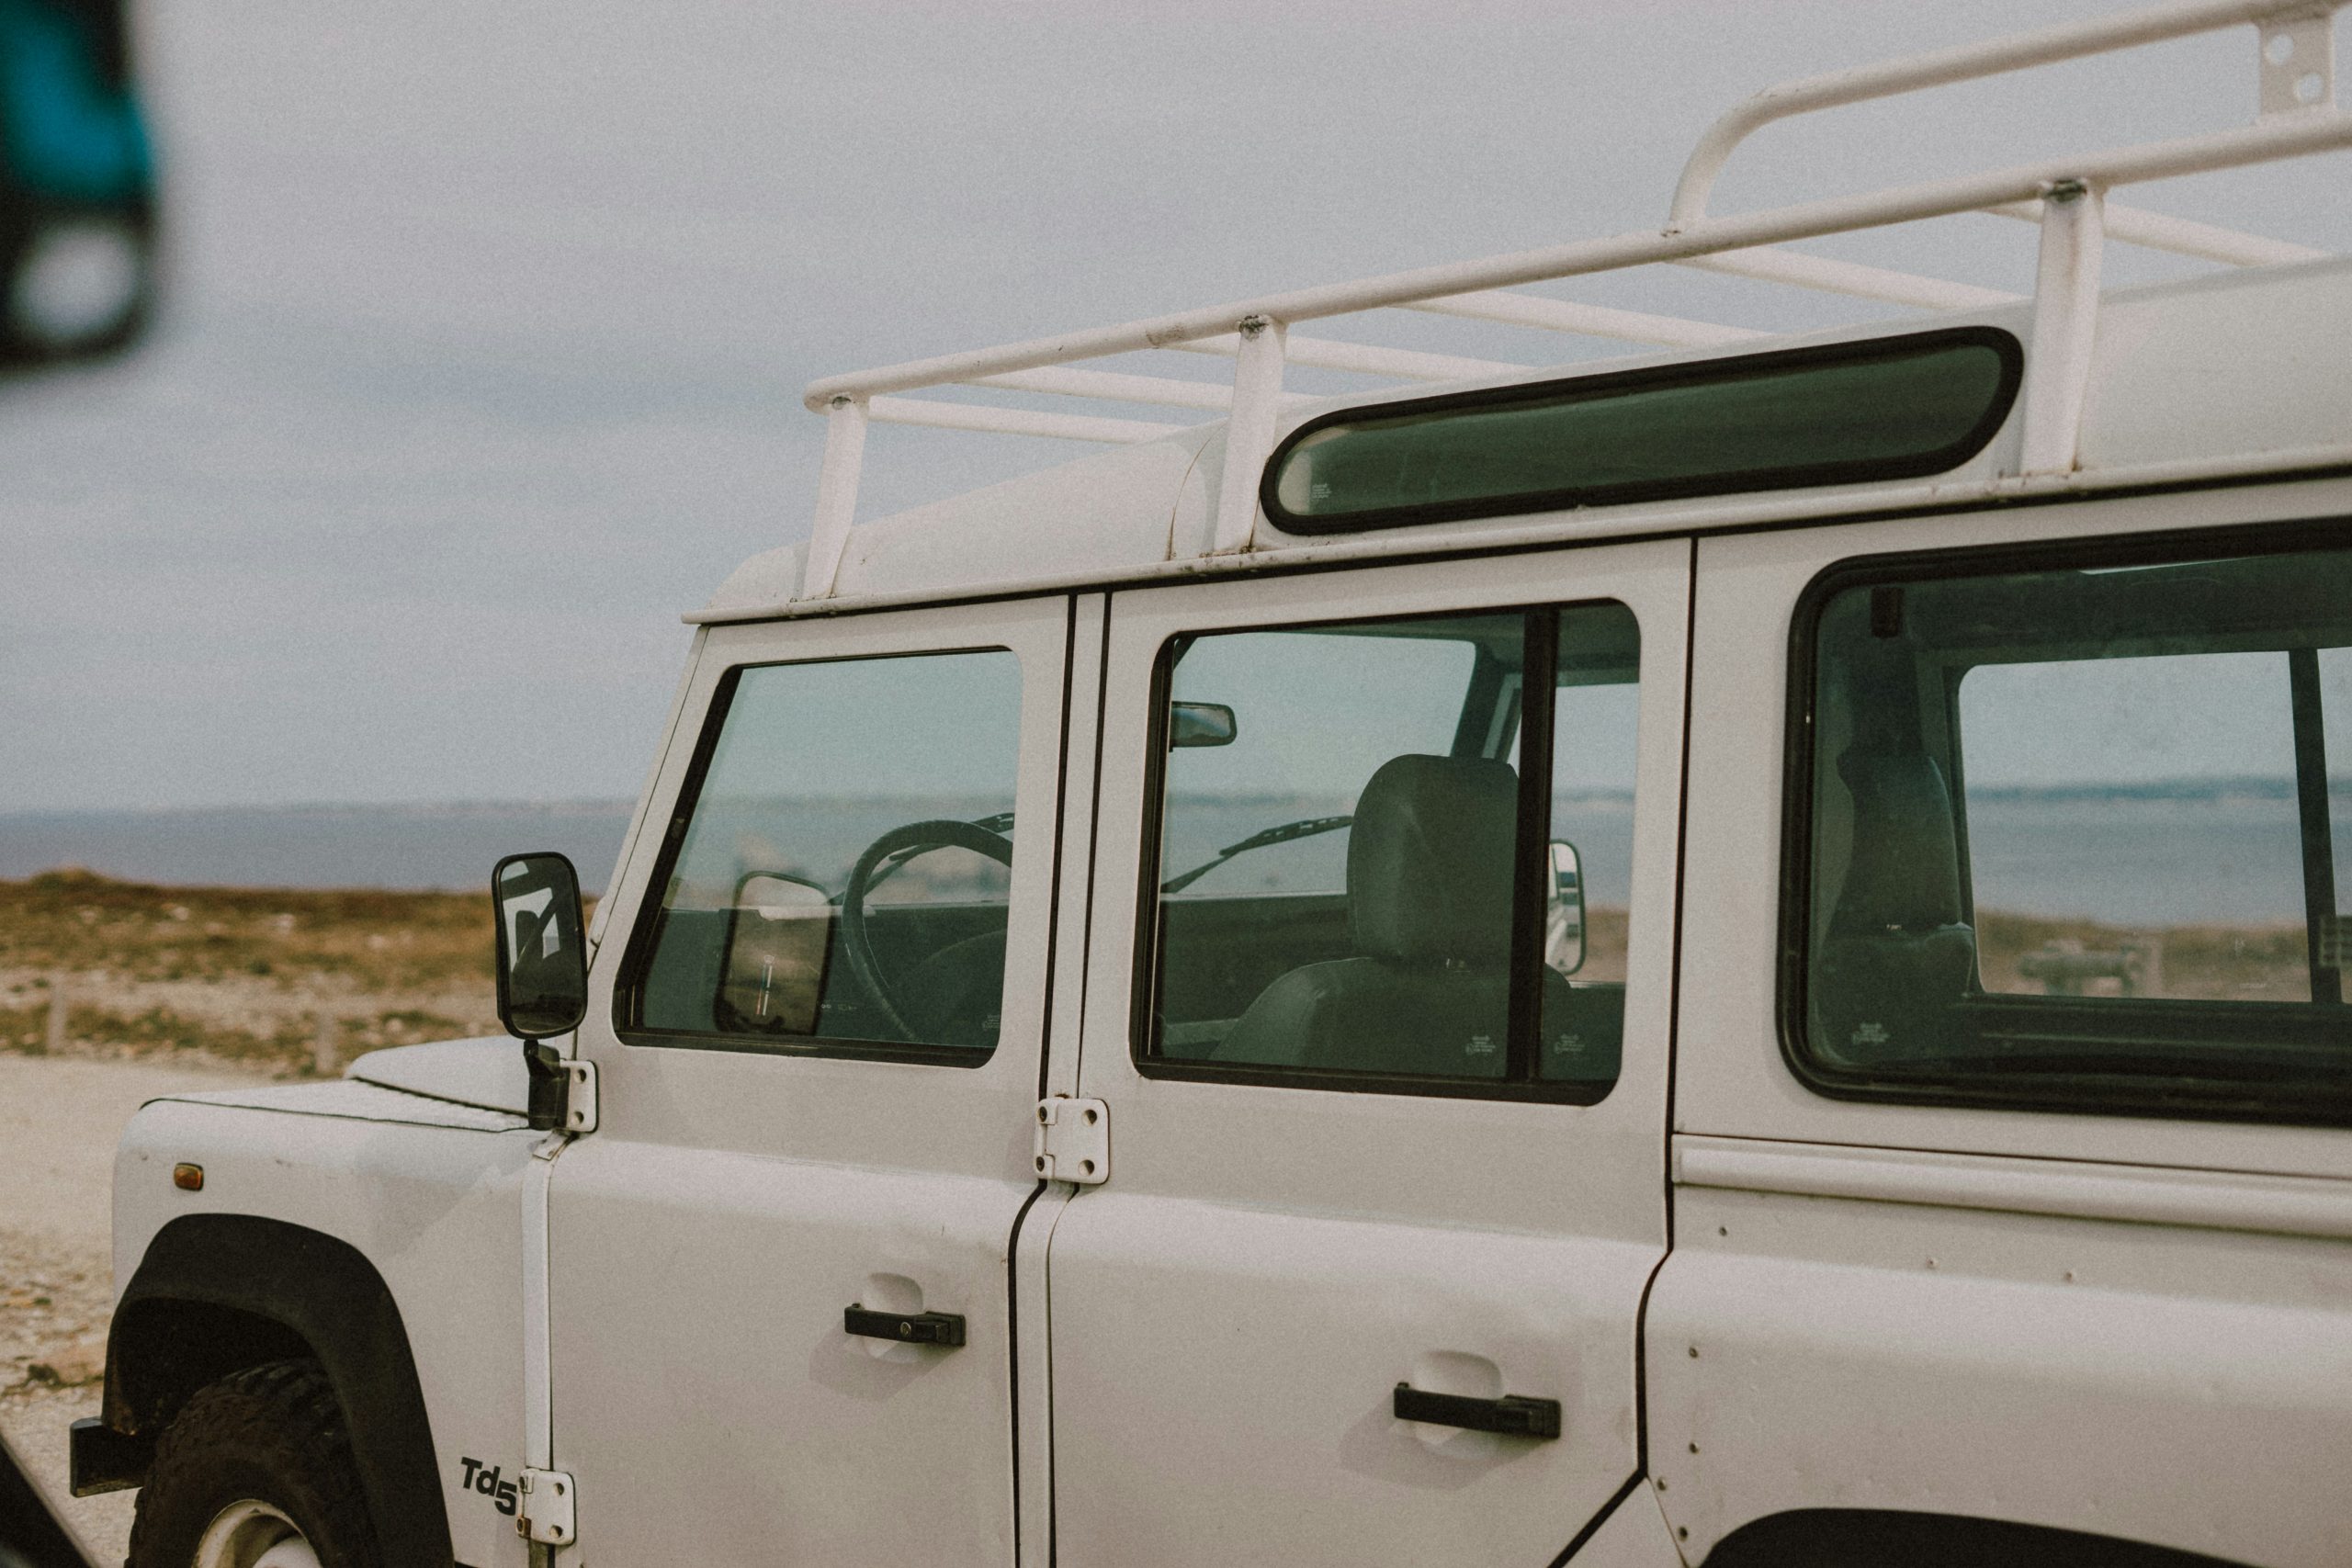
column 1897, row 953
column 1430, row 860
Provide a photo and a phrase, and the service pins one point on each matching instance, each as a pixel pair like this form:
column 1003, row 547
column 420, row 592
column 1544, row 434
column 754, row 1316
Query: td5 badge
column 485, row 1480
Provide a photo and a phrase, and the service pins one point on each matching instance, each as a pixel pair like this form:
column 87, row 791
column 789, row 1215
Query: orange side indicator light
column 188, row 1178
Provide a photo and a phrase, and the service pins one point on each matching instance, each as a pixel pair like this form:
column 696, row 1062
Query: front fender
column 219, row 1291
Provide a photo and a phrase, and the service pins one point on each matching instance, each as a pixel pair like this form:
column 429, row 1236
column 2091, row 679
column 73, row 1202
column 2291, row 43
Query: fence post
column 59, row 1004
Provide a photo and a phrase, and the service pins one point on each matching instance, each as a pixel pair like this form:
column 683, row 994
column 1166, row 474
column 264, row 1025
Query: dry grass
column 302, row 981
column 384, row 941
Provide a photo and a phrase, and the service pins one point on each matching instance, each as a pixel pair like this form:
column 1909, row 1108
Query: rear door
column 1387, row 1118
column 780, row 1326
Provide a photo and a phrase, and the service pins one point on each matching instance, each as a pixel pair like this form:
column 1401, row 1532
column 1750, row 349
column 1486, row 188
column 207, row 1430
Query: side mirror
column 1201, row 724
column 542, row 955
column 1563, row 912
column 542, row 972
column 779, row 941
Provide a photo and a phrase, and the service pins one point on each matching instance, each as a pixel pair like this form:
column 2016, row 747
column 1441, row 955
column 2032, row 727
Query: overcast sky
column 487, row 325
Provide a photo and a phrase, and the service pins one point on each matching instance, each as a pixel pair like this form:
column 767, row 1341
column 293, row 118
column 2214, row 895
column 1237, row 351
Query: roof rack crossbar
column 1586, row 321
column 1363, row 358
column 1772, row 265
column 2162, row 232
column 1015, row 422
column 1111, row 386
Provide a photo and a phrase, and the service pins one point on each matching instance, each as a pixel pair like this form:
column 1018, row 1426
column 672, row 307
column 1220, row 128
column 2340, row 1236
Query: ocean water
column 2127, row 857
column 405, row 847
column 2126, row 860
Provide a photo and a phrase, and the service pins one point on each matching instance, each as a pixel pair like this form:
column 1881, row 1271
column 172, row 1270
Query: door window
column 1357, row 885
column 2078, row 833
column 836, row 878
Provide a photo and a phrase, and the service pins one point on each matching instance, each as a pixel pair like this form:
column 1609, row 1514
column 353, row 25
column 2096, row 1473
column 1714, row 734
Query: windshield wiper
column 1305, row 828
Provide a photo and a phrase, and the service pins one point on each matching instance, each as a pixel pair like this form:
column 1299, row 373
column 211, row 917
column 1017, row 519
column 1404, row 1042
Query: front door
column 1385, row 1069
column 780, row 1329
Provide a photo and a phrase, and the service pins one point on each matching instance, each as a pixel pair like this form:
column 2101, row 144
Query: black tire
column 272, row 1435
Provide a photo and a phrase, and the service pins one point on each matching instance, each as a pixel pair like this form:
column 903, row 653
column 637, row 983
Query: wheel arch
column 1852, row 1538
column 216, row 1294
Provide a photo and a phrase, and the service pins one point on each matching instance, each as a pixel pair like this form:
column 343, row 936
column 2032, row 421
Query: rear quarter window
column 2068, row 829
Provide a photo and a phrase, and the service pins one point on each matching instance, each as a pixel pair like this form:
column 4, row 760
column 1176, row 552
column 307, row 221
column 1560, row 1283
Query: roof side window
column 1358, row 885
column 839, row 885
column 1839, row 414
column 2077, row 833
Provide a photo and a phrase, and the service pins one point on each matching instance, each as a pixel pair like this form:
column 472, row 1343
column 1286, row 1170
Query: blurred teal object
column 71, row 133
column 78, row 185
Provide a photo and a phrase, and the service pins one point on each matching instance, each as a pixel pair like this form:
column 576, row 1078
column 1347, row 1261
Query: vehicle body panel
column 1233, row 1309
column 705, row 1242
column 429, row 1191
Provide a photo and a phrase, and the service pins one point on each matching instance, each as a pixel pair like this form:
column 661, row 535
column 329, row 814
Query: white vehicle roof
column 2243, row 372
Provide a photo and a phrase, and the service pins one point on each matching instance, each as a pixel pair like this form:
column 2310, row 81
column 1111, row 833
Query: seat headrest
column 1905, row 872
column 1430, row 860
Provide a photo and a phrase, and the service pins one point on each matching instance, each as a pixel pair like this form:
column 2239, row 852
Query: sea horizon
column 2229, row 849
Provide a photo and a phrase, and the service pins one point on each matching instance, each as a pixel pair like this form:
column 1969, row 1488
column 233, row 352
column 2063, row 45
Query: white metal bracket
column 580, row 1097
column 2065, row 324
column 547, row 1514
column 1249, row 431
column 1074, row 1140
column 846, row 419
column 2297, row 62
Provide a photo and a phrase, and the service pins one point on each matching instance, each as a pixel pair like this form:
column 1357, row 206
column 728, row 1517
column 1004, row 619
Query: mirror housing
column 1201, row 724
column 542, row 949
column 542, row 971
column 1563, row 909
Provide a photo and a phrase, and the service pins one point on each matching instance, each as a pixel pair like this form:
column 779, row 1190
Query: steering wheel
column 895, row 847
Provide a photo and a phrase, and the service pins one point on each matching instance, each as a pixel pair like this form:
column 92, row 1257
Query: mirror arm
column 549, row 1105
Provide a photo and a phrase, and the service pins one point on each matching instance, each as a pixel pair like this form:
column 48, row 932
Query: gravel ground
column 60, row 1117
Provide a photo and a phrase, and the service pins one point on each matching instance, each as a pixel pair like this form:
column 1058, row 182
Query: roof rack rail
column 2066, row 197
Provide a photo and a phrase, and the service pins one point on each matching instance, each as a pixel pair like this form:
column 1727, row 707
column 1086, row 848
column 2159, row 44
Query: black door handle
column 1514, row 1415
column 942, row 1328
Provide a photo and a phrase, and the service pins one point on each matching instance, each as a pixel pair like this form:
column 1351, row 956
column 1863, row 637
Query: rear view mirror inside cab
column 1201, row 724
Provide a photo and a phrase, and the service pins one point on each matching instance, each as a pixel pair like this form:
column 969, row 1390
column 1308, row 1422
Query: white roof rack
column 2067, row 197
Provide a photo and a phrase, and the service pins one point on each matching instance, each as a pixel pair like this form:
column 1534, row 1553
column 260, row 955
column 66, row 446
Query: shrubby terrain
column 296, row 981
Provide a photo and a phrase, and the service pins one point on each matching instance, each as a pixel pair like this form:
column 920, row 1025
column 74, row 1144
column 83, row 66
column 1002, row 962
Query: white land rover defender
column 1730, row 957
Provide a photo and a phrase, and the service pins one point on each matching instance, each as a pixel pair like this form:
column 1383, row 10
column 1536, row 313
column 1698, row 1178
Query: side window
column 2076, row 840
column 837, row 880
column 1357, row 885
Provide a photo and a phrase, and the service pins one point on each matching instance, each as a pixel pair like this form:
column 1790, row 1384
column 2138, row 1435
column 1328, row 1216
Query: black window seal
column 1685, row 373
column 1143, row 989
column 628, row 988
column 2177, row 1098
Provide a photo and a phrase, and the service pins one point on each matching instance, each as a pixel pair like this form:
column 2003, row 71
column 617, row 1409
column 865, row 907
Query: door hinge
column 580, row 1100
column 546, row 1516
column 1074, row 1140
